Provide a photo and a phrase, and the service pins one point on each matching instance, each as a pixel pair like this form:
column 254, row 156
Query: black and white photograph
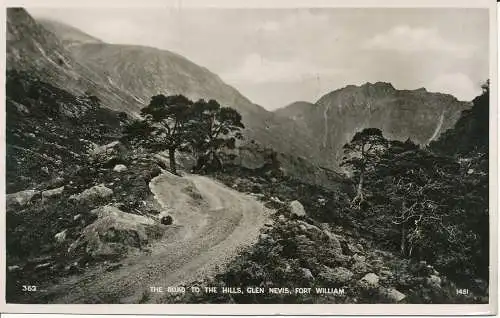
column 249, row 155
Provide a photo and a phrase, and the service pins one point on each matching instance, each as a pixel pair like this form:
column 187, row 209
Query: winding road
column 212, row 223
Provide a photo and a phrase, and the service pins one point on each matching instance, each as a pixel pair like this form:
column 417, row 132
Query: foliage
column 176, row 123
column 361, row 154
column 431, row 204
column 213, row 128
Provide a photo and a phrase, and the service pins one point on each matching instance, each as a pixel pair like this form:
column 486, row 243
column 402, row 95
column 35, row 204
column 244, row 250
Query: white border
column 286, row 309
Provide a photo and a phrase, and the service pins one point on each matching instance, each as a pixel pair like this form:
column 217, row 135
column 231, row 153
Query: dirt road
column 211, row 224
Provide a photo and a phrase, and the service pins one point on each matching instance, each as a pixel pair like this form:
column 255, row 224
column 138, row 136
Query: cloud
column 297, row 20
column 256, row 69
column 416, row 39
column 456, row 84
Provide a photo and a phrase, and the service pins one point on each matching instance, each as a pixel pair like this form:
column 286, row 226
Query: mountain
column 33, row 49
column 68, row 34
column 470, row 135
column 126, row 76
column 416, row 114
column 294, row 110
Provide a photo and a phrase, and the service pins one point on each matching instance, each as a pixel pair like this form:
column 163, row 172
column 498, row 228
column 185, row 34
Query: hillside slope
column 142, row 72
column 68, row 34
column 34, row 49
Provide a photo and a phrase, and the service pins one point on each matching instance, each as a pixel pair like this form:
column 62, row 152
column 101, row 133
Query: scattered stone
column 61, row 236
column 166, row 220
column 14, row 268
column 120, row 168
column 113, row 267
column 339, row 275
column 394, row 295
column 42, row 266
column 77, row 217
column 297, row 209
column 105, row 151
column 369, row 280
column 281, row 218
column 20, row 107
column 45, row 170
column 306, row 272
column 49, row 194
column 359, row 258
column 276, row 200
column 359, row 267
column 258, row 195
column 93, row 196
column 20, row 199
column 434, row 281
column 353, row 249
column 359, row 247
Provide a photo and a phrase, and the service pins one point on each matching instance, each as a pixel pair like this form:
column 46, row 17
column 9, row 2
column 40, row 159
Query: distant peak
column 421, row 90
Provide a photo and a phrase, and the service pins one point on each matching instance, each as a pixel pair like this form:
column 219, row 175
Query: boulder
column 433, row 281
column 93, row 196
column 393, row 295
column 306, row 273
column 53, row 193
column 354, row 249
column 106, row 151
column 360, row 267
column 166, row 220
column 276, row 200
column 61, row 236
column 20, row 199
column 297, row 209
column 14, row 268
column 115, row 232
column 338, row 275
column 120, row 168
column 359, row 258
column 369, row 280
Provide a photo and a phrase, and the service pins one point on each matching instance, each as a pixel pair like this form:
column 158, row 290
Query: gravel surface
column 212, row 223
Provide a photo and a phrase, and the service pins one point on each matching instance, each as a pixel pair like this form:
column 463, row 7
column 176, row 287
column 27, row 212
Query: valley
column 130, row 167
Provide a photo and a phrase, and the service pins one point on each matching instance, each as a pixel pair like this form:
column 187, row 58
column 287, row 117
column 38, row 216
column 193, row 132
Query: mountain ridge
column 401, row 114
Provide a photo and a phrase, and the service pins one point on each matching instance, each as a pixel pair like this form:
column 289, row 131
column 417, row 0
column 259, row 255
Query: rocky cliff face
column 416, row 114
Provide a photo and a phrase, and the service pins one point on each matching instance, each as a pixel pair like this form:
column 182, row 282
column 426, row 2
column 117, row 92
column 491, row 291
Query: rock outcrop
column 115, row 232
column 93, row 196
column 297, row 209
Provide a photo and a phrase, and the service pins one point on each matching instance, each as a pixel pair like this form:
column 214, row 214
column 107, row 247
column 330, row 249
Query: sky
column 278, row 56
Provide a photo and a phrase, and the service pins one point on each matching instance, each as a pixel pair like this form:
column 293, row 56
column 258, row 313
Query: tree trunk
column 217, row 161
column 171, row 157
column 359, row 191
